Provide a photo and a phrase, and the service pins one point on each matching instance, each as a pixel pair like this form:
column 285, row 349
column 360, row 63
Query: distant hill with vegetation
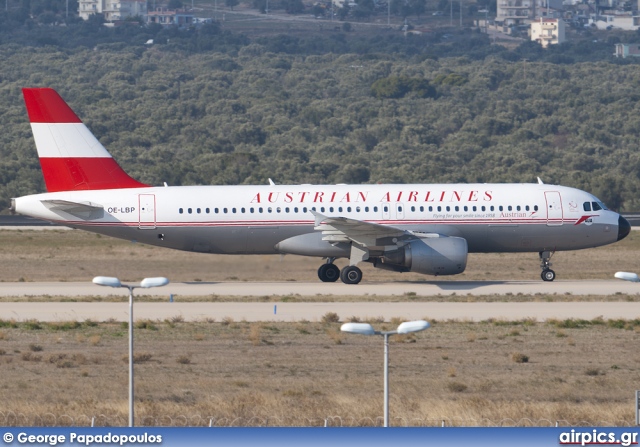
column 209, row 106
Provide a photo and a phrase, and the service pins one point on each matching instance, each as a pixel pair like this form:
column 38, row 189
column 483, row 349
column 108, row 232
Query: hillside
column 215, row 107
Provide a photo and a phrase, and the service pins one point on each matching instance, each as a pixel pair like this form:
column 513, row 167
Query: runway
column 291, row 311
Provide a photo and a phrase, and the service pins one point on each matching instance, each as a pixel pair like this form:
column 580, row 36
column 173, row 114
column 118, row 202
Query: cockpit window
column 596, row 206
column 586, row 206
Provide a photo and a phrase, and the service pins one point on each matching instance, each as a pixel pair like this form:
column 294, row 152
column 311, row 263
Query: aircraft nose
column 623, row 228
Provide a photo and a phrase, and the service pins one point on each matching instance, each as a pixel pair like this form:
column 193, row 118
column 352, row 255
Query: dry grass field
column 491, row 373
column 302, row 373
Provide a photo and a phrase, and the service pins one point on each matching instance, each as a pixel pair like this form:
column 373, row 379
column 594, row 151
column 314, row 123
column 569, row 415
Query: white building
column 548, row 31
column 515, row 12
column 113, row 10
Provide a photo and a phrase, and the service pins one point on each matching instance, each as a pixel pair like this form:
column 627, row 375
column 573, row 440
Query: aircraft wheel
column 351, row 275
column 328, row 273
column 548, row 275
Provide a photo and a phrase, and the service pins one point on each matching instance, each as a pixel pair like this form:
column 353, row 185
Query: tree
column 231, row 3
column 293, row 6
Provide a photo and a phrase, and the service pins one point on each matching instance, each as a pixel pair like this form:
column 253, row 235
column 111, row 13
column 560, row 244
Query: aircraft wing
column 365, row 234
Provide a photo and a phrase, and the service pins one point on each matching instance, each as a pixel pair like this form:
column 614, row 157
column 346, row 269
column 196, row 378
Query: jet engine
column 430, row 256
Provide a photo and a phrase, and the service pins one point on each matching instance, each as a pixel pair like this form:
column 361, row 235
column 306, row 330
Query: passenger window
column 457, row 208
column 366, row 209
column 386, row 209
column 500, row 208
column 189, row 210
column 509, row 208
column 331, row 209
column 348, row 209
column 466, row 208
column 180, row 210
column 278, row 210
column 430, row 209
column 483, row 208
column 322, row 209
column 242, row 210
column 596, row 206
column 421, row 209
column 339, row 209
column 207, row 210
column 535, row 207
column 439, row 208
column 295, row 210
column 304, row 209
column 492, row 208
column 399, row 209
column 526, row 208
column 475, row 208
column 286, row 210
column 375, row 209
column 216, row 210
column 233, row 210
column 224, row 210
column 251, row 210
column 198, row 210
column 357, row 209
column 269, row 210
column 448, row 208
column 260, row 209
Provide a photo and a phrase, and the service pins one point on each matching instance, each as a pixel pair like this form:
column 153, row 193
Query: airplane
column 424, row 228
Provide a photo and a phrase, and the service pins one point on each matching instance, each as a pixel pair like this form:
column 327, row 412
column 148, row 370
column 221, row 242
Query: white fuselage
column 253, row 219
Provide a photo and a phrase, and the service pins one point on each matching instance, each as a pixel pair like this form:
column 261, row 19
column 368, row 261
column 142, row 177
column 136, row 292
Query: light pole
column 367, row 329
column 144, row 284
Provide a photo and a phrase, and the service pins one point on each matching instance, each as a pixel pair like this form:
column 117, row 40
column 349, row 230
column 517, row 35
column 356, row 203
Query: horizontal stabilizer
column 83, row 210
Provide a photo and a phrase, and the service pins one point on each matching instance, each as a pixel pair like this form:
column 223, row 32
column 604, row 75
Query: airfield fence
column 11, row 419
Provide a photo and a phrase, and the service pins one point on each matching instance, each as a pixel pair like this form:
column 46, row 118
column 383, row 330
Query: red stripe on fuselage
column 74, row 174
column 44, row 105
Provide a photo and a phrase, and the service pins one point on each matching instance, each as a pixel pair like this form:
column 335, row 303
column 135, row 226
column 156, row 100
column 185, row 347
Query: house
column 178, row 17
column 515, row 12
column 627, row 50
column 548, row 31
column 113, row 10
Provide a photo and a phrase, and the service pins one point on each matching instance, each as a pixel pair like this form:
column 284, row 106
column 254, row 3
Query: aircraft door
column 386, row 211
column 399, row 211
column 147, row 211
column 554, row 208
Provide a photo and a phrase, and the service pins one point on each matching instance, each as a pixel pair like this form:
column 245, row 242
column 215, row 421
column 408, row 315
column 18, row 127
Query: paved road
column 258, row 289
column 286, row 311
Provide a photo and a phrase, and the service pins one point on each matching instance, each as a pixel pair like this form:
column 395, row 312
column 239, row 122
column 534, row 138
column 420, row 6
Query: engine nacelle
column 430, row 256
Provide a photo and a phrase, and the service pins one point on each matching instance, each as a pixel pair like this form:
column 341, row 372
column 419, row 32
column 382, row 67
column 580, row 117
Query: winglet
column 540, row 182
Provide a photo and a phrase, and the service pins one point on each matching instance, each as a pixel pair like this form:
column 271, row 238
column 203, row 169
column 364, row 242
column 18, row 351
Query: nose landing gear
column 545, row 258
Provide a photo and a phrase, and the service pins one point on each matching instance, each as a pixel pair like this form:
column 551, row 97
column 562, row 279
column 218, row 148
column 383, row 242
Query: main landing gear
column 547, row 274
column 330, row 272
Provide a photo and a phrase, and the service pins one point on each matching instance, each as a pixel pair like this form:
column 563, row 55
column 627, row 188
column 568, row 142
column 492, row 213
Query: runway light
column 626, row 276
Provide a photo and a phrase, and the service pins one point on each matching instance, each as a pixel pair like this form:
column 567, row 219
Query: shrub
column 519, row 357
column 330, row 317
column 456, row 387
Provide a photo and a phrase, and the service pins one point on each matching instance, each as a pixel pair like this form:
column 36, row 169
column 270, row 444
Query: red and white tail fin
column 70, row 156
